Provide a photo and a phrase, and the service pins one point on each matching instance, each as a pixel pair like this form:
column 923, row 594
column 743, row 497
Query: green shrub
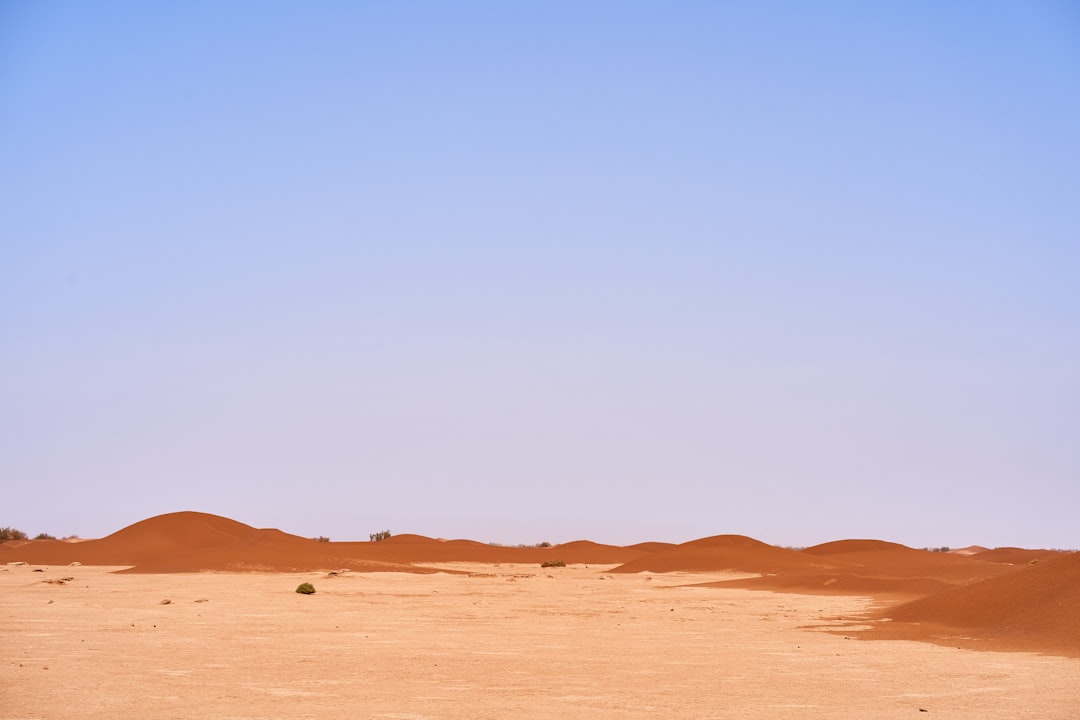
column 44, row 536
column 306, row 589
column 379, row 536
column 552, row 563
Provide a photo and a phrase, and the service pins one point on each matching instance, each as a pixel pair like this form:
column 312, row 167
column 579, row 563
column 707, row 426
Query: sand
column 193, row 615
column 488, row 641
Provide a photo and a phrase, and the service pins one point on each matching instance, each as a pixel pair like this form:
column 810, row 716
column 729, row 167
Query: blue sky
column 543, row 271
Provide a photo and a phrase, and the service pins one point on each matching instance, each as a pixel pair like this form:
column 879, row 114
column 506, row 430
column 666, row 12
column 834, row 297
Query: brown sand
column 725, row 553
column 489, row 641
column 1033, row 607
column 429, row 628
column 193, row 542
column 1015, row 556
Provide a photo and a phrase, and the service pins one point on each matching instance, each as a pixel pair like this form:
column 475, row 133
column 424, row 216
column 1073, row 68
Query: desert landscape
column 195, row 615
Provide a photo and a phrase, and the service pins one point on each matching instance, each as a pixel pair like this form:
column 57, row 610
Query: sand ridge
column 923, row 595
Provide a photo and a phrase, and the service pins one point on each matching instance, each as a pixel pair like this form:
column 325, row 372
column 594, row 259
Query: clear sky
column 543, row 271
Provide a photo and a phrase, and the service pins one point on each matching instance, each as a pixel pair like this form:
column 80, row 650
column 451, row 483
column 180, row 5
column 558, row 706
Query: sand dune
column 192, row 542
column 1026, row 599
column 1015, row 556
column 844, row 547
column 888, row 560
column 877, row 568
column 1036, row 607
column 725, row 553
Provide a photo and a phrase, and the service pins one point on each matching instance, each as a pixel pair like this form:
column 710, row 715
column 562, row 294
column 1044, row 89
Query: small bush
column 44, row 536
column 544, row 544
column 552, row 563
column 321, row 538
column 306, row 589
column 379, row 536
column 8, row 533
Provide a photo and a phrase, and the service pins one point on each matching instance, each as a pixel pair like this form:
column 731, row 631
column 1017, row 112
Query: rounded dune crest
column 724, row 541
column 719, row 553
column 839, row 547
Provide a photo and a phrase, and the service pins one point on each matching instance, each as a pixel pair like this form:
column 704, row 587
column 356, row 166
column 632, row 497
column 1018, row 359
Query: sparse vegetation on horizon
column 8, row 533
column 379, row 536
column 44, row 536
column 544, row 544
column 321, row 538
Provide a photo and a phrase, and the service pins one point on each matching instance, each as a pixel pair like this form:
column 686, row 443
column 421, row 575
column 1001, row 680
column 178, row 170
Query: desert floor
column 486, row 641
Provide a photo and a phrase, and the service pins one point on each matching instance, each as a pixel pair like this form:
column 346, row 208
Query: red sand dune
column 193, row 542
column 882, row 559
column 1033, row 603
column 726, row 552
column 843, row 547
column 419, row 549
column 651, row 547
column 1015, row 556
column 1036, row 607
column 872, row 567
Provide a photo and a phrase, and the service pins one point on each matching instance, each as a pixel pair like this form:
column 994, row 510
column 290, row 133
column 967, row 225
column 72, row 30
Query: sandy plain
column 481, row 640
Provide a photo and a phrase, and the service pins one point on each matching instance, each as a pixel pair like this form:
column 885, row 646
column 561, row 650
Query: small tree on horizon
column 379, row 536
column 7, row 533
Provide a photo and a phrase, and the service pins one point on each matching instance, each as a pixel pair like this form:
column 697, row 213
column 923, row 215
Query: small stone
column 166, row 601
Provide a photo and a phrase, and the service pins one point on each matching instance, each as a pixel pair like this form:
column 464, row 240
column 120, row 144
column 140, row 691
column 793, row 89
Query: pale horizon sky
column 540, row 272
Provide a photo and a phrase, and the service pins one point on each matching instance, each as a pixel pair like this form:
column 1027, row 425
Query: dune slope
column 1036, row 607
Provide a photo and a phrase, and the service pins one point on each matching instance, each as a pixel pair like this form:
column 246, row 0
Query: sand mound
column 882, row 559
column 839, row 584
column 876, row 568
column 416, row 549
column 193, row 542
column 1015, row 556
column 156, row 537
column 1035, row 608
column 840, row 547
column 651, row 547
column 726, row 552
column 586, row 551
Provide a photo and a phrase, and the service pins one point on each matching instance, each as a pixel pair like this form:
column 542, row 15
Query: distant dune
column 1006, row 597
column 874, row 567
column 724, row 553
column 1014, row 556
column 199, row 542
